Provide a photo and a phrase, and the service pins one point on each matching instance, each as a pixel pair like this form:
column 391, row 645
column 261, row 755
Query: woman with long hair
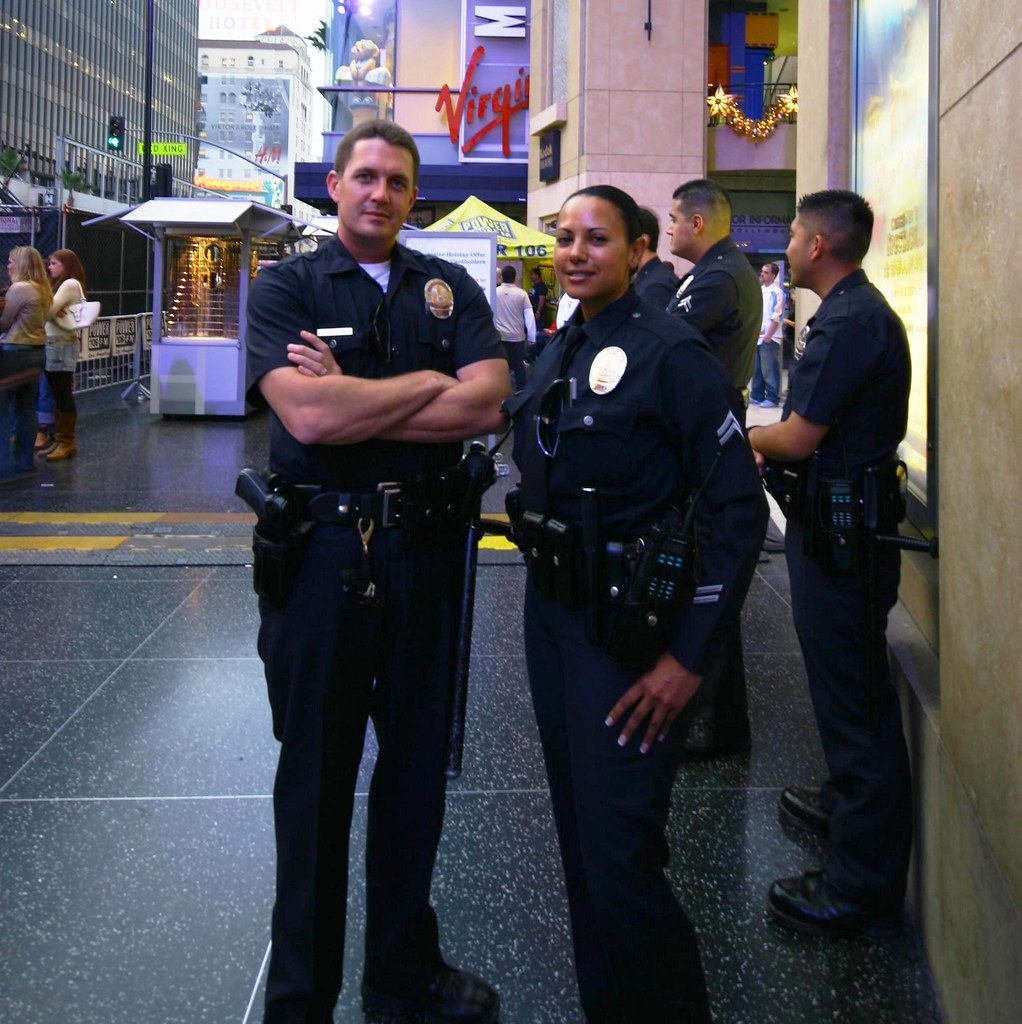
column 23, row 356
column 68, row 277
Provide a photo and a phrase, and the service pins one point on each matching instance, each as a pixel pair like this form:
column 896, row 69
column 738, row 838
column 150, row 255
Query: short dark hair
column 386, row 130
column 508, row 274
column 705, row 196
column 844, row 218
column 621, row 201
column 775, row 269
column 650, row 227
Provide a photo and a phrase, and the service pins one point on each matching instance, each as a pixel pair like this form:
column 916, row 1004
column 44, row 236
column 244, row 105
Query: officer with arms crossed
column 846, row 413
column 720, row 297
column 626, row 437
column 367, row 628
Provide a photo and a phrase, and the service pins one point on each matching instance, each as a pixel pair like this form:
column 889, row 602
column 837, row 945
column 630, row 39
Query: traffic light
column 115, row 133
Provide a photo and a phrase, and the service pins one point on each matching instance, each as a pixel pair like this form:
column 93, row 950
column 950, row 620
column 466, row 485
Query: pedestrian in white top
column 766, row 375
column 514, row 319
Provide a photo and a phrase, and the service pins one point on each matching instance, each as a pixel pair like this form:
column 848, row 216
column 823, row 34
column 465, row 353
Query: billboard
column 489, row 120
column 249, row 116
column 893, row 150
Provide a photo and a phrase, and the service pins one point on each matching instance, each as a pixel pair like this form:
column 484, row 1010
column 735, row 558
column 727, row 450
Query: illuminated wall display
column 489, row 121
column 893, row 151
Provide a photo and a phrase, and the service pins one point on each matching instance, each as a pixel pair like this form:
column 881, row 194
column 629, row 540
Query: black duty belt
column 384, row 507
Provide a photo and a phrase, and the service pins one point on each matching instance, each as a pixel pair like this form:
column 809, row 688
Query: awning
column 206, row 215
column 514, row 241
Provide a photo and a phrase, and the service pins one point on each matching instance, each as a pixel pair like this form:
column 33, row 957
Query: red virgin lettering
column 472, row 106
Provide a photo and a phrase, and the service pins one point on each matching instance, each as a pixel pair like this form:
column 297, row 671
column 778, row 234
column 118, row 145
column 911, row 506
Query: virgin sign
column 489, row 121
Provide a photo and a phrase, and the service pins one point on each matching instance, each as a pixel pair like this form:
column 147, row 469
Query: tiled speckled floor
column 136, row 763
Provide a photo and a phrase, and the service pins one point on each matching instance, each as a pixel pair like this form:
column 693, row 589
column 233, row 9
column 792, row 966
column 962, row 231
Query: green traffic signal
column 115, row 133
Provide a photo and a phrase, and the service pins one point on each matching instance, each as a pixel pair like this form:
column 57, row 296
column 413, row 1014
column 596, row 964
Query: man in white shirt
column 514, row 319
column 766, row 375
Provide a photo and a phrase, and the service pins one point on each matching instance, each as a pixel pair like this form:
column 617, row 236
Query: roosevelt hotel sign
column 488, row 117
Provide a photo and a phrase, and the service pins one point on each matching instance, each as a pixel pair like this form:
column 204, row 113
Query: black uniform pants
column 870, row 783
column 331, row 664
column 636, row 955
column 721, row 707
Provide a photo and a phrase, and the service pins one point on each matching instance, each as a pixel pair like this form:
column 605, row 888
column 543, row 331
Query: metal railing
column 115, row 350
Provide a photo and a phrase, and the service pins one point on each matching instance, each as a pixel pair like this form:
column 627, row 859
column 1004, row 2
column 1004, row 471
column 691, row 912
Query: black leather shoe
column 706, row 740
column 455, row 997
column 811, row 905
column 803, row 808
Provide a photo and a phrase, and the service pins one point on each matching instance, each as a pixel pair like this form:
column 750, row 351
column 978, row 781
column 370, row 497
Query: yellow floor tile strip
column 61, row 543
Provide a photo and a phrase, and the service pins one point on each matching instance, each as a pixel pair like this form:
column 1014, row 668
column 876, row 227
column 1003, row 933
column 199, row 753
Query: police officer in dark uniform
column 846, row 413
column 626, row 416
column 360, row 436
column 721, row 298
column 655, row 282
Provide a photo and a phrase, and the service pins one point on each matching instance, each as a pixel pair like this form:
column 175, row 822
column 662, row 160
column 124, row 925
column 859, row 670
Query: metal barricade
column 107, row 353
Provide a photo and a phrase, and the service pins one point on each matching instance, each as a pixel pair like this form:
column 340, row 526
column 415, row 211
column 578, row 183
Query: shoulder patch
column 728, row 429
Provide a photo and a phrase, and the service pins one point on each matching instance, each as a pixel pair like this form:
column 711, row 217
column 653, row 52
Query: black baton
column 477, row 465
column 591, row 565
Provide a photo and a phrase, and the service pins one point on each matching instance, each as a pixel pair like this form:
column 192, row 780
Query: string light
column 725, row 106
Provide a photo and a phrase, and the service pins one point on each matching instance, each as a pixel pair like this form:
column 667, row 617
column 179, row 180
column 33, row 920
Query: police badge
column 439, row 298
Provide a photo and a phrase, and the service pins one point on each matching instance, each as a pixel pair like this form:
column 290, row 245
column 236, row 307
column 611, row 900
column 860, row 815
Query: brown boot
column 44, row 439
column 65, row 447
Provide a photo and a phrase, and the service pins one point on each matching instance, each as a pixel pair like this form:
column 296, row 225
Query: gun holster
column 281, row 534
column 277, row 560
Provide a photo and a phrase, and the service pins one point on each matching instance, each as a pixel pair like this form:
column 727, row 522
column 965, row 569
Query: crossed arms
column 319, row 404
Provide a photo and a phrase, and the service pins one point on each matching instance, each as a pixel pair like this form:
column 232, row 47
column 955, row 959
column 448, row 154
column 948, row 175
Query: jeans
column 766, row 375
column 18, row 406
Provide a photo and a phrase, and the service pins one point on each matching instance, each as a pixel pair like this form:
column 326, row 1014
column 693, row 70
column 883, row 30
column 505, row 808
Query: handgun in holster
column 281, row 533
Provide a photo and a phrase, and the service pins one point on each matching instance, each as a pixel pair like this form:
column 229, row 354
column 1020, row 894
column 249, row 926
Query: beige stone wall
column 636, row 110
column 963, row 713
column 980, row 403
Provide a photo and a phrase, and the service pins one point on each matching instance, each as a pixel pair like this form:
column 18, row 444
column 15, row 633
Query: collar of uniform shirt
column 603, row 327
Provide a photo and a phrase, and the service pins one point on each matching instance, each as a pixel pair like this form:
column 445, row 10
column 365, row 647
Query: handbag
column 79, row 314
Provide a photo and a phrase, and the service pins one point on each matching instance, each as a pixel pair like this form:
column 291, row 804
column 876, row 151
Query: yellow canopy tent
column 514, row 241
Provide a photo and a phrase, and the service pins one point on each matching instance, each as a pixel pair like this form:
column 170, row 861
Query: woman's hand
column 314, row 358
column 660, row 695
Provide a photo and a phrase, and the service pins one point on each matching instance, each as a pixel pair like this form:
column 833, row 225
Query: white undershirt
column 379, row 272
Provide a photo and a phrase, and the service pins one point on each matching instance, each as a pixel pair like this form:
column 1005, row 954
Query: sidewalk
column 136, row 766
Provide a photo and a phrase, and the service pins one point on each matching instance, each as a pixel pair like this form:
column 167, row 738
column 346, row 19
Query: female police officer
column 628, row 403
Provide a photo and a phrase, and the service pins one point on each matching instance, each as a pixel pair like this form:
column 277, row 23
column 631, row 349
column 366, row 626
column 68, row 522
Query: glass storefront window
column 363, row 40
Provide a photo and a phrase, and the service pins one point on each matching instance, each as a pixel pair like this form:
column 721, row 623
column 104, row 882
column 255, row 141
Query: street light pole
column 147, row 114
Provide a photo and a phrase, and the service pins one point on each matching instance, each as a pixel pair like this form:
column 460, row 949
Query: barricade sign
column 96, row 340
column 124, row 335
column 147, row 331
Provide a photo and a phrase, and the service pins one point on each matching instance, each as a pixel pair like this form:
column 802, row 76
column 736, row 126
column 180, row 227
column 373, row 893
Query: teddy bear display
column 365, row 70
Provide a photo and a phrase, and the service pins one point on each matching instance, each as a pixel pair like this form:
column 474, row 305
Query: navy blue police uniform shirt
column 721, row 297
column 656, row 283
column 646, row 444
column 854, row 377
column 328, row 290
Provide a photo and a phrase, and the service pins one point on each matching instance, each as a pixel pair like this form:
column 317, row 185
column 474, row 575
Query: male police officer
column 654, row 281
column 846, row 413
column 367, row 630
column 720, row 297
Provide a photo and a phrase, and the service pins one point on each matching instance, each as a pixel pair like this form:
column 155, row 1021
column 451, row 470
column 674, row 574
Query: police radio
column 839, row 511
column 662, row 580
